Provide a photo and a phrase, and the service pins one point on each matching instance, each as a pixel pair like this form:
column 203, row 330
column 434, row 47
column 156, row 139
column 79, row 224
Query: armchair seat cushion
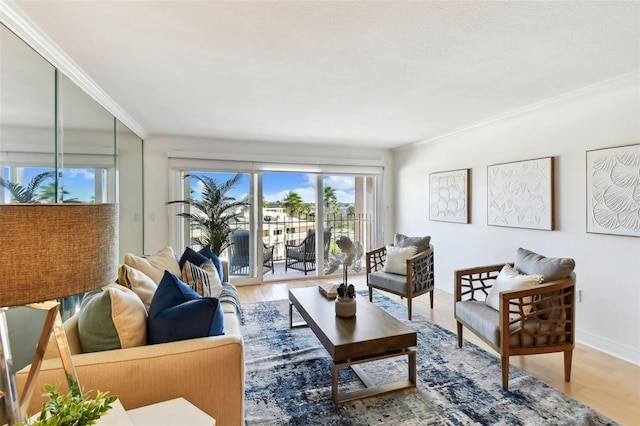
column 387, row 281
column 486, row 321
column 298, row 254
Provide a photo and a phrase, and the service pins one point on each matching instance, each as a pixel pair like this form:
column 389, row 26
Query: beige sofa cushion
column 155, row 265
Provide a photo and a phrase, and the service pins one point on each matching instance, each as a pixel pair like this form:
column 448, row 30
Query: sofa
column 206, row 371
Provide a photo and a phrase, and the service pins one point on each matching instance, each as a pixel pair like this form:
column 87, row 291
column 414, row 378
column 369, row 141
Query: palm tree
column 215, row 212
column 48, row 194
column 330, row 202
column 330, row 197
column 292, row 203
column 29, row 193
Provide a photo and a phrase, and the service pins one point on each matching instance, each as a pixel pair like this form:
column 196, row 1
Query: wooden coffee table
column 371, row 335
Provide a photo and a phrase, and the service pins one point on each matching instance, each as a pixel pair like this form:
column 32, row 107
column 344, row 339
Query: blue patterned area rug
column 288, row 381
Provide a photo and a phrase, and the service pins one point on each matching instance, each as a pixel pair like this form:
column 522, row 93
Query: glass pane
column 27, row 120
column 348, row 213
column 87, row 161
column 289, row 222
column 224, row 203
column 130, row 197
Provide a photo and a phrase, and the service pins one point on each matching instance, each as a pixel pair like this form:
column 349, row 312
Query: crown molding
column 19, row 23
column 624, row 80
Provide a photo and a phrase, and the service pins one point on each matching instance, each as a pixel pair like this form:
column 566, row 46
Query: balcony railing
column 278, row 232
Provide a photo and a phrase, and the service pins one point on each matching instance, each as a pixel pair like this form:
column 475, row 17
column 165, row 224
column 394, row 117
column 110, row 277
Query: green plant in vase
column 71, row 409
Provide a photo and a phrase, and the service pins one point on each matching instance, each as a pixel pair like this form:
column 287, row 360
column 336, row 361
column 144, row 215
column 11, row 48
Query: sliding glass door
column 275, row 236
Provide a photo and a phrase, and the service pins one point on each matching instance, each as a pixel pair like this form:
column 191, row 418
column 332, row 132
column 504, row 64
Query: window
column 285, row 207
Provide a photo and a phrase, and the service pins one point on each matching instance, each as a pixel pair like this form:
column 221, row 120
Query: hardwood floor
column 606, row 383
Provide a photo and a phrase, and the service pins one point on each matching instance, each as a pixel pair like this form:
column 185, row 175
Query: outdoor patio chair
column 513, row 313
column 239, row 252
column 303, row 256
column 267, row 259
column 414, row 277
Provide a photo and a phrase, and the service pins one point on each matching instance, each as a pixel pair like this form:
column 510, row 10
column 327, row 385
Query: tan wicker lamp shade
column 51, row 251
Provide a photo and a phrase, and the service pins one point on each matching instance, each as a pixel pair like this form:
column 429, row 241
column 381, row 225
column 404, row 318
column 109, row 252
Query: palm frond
column 39, row 179
column 215, row 212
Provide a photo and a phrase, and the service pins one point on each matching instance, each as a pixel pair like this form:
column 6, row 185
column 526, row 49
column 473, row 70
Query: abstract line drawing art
column 520, row 194
column 449, row 196
column 613, row 191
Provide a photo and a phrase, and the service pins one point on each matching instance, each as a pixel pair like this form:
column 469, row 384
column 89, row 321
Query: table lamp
column 48, row 252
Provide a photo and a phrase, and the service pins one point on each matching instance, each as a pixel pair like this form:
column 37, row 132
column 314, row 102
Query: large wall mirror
column 53, row 132
column 49, row 124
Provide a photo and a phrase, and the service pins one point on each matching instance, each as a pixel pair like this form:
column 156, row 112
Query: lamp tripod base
column 16, row 412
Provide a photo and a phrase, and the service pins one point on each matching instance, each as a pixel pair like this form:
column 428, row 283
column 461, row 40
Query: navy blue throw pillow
column 206, row 251
column 192, row 257
column 179, row 313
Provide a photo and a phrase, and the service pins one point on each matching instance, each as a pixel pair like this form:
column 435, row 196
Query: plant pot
column 345, row 307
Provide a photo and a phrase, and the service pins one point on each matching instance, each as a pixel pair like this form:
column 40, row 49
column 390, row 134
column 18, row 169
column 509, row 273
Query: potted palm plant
column 215, row 212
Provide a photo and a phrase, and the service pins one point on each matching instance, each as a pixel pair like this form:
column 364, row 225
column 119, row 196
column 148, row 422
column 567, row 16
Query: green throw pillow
column 113, row 317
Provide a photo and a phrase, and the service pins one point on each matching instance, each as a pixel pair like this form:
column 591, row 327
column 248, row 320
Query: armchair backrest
column 239, row 249
column 309, row 243
column 327, row 239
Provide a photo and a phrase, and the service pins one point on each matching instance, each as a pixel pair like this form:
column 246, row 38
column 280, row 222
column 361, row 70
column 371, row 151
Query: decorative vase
column 345, row 307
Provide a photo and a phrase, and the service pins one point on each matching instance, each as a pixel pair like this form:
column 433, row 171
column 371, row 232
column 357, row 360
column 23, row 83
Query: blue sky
column 277, row 184
column 80, row 184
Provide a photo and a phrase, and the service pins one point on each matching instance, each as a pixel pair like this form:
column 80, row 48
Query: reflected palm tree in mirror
column 29, row 193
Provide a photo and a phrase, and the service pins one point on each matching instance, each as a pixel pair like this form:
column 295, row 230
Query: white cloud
column 307, row 194
column 345, row 196
column 86, row 174
column 340, row 182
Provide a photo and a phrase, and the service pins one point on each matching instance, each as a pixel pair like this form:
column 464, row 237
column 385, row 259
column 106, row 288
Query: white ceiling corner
column 374, row 74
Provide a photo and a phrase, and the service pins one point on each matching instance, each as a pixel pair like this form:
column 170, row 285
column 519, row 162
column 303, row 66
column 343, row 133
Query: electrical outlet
column 579, row 296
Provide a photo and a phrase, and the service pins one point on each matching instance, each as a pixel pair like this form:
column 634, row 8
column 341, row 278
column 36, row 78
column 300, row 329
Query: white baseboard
column 611, row 348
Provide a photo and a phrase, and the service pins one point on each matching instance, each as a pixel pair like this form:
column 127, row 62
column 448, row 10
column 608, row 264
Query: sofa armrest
column 208, row 372
column 225, row 271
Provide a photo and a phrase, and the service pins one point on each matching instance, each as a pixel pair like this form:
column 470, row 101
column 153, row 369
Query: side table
column 173, row 412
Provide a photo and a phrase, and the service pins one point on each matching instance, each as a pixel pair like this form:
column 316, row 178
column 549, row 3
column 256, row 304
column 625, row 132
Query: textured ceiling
column 379, row 74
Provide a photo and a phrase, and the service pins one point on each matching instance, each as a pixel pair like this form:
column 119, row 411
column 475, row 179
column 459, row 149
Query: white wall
column 157, row 179
column 607, row 267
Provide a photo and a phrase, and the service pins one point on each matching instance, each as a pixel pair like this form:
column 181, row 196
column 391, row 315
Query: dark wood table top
column 371, row 332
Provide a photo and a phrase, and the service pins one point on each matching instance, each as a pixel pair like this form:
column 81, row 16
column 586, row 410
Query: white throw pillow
column 510, row 279
column 396, row 262
column 139, row 282
column 155, row 265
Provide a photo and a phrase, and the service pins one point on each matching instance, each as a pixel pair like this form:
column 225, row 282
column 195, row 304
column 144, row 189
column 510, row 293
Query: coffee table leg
column 370, row 388
column 334, row 383
column 291, row 324
column 412, row 368
column 290, row 315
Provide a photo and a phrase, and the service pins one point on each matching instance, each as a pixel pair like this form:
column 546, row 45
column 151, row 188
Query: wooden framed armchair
column 536, row 320
column 418, row 280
